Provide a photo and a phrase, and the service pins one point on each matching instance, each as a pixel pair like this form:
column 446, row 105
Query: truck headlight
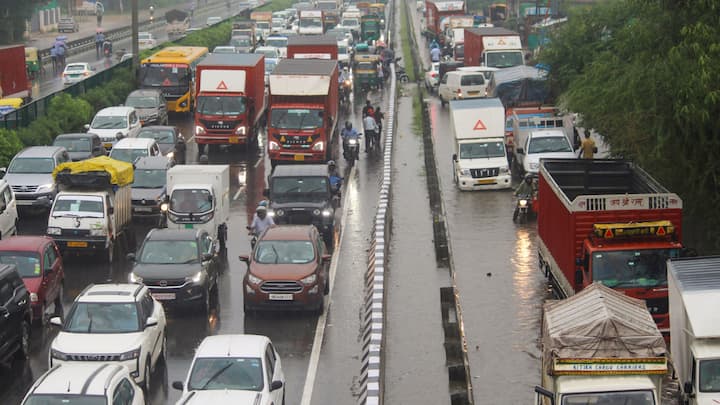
column 309, row 280
column 132, row 354
column 44, row 188
column 320, row 146
column 326, row 213
column 197, row 278
column 199, row 130
column 164, row 207
column 534, row 166
column 57, row 354
column 240, row 131
column 134, row 278
column 98, row 232
column 464, row 172
column 53, row 230
column 254, row 280
column 273, row 145
column 170, row 155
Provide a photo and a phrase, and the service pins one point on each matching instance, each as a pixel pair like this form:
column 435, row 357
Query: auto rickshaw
column 32, row 62
column 370, row 27
column 365, row 74
column 379, row 10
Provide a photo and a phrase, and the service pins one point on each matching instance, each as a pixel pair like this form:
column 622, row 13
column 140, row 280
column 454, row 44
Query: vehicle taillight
column 434, row 75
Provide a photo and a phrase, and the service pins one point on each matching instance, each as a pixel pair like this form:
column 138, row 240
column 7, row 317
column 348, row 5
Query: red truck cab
column 312, row 47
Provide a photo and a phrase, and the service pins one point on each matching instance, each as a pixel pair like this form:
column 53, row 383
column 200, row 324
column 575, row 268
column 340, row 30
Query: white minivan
column 114, row 123
column 8, row 210
column 461, row 85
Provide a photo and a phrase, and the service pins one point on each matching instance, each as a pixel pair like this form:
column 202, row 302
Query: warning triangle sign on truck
column 479, row 126
column 221, row 85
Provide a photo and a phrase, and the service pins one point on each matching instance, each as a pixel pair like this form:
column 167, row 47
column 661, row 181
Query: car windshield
column 308, row 188
column 73, row 144
column 632, row 268
column 128, row 155
column 284, row 252
column 296, row 118
column 74, row 68
column 65, row 399
column 225, row 105
column 142, row 101
column 710, row 375
column 269, row 65
column 224, row 49
column 269, row 53
column 504, row 59
column 615, row 398
column 159, row 135
column 149, row 178
column 315, row 22
column 482, row 150
column 276, row 42
column 169, row 252
column 103, row 317
column 31, row 165
column 226, row 374
column 472, row 80
column 27, row 263
column 190, row 201
column 548, row 144
column 83, row 206
column 144, row 35
column 109, row 122
column 262, row 25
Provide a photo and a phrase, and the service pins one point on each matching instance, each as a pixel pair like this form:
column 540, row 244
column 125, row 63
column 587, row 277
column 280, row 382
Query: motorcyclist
column 348, row 133
column 334, row 175
column 371, row 130
column 107, row 47
column 344, row 75
column 368, row 109
column 527, row 187
column 261, row 221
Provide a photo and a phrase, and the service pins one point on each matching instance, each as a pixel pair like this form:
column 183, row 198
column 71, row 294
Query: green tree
column 13, row 16
column 9, row 145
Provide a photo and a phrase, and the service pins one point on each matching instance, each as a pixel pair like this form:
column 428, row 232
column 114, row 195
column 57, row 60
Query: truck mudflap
column 560, row 285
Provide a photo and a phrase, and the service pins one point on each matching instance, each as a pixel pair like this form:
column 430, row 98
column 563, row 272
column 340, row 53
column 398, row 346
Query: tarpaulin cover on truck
column 519, row 84
column 600, row 322
column 175, row 15
column 121, row 173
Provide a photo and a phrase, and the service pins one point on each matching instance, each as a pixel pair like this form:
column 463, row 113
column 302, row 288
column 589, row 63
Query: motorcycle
column 345, row 89
column 400, row 73
column 523, row 209
column 352, row 150
column 107, row 49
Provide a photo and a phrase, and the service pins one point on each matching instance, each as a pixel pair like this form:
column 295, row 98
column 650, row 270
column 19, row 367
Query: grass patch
column 275, row 5
column 406, row 43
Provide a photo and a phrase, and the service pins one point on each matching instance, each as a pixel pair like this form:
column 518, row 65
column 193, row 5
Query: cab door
column 51, row 273
column 8, row 212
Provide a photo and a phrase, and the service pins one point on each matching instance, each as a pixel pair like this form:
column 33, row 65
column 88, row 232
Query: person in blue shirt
column 348, row 133
column 435, row 54
column 99, row 39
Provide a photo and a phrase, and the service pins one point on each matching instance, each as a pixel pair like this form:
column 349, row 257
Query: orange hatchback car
column 288, row 270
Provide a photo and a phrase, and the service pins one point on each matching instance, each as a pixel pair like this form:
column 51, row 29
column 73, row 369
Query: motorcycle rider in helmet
column 527, row 187
column 261, row 221
column 348, row 133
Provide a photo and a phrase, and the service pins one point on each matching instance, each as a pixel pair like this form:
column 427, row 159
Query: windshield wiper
column 276, row 253
column 216, row 375
column 89, row 329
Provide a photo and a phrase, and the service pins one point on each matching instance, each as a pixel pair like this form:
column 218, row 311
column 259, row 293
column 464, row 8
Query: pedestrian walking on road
column 587, row 147
column 99, row 39
column 53, row 57
column 99, row 11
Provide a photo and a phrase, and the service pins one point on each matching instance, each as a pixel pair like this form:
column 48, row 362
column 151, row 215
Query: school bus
column 172, row 70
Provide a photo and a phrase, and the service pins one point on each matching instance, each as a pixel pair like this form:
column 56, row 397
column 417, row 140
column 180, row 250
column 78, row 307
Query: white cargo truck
column 93, row 210
column 480, row 159
column 199, row 198
column 601, row 347
column 694, row 298
column 538, row 137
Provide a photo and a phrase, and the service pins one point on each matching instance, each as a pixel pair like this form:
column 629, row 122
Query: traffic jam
column 207, row 239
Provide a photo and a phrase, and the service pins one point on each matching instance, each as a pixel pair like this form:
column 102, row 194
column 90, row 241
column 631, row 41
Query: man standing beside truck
column 587, row 147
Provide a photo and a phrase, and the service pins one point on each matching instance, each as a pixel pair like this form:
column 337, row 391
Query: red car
column 39, row 263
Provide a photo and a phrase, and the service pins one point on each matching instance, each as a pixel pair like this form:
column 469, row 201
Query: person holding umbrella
column 99, row 39
column 60, row 49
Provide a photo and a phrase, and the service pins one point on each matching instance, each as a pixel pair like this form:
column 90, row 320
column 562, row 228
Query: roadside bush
column 9, row 145
column 69, row 114
column 112, row 93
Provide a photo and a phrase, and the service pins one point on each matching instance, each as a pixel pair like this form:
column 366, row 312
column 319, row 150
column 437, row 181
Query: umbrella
column 99, row 30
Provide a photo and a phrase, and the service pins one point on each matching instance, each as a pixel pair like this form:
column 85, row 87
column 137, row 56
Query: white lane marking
column 260, row 160
column 322, row 319
column 237, row 195
column 192, row 138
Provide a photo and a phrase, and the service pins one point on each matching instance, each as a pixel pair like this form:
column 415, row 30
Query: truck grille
column 24, row 189
column 220, row 126
column 481, row 173
column 292, row 140
column 657, row 306
column 280, row 287
column 94, row 357
column 297, row 217
column 75, row 232
column 171, row 282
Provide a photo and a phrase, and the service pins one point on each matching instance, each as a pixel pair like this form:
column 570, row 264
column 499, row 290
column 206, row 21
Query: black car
column 301, row 194
column 170, row 140
column 15, row 314
column 150, row 105
column 81, row 146
column 179, row 266
column 149, row 185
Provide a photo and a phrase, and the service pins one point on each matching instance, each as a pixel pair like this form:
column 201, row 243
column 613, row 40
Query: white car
column 234, row 369
column 114, row 123
column 431, row 76
column 213, row 20
column 77, row 72
column 131, row 149
column 85, row 383
column 544, row 144
column 279, row 42
column 459, row 85
column 113, row 323
column 9, row 215
column 146, row 40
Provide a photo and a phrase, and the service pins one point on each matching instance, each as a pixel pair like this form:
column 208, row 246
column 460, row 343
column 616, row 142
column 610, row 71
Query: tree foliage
column 645, row 75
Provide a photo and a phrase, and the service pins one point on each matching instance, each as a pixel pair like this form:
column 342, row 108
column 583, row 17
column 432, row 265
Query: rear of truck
column 302, row 120
column 607, row 221
column 312, row 47
column 13, row 72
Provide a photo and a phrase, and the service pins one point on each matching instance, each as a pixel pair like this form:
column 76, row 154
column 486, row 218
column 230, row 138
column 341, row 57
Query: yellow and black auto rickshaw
column 365, row 72
column 32, row 62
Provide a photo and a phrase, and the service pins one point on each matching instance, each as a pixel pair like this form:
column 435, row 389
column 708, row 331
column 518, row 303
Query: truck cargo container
column 13, row 73
column 302, row 121
column 312, row 47
column 231, row 104
column 494, row 47
column 609, row 221
column 436, row 10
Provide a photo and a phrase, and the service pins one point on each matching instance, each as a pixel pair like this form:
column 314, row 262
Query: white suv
column 234, row 369
column 113, row 323
column 85, row 383
column 114, row 123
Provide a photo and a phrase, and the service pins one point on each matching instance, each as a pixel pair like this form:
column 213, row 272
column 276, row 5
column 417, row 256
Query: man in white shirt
column 371, row 129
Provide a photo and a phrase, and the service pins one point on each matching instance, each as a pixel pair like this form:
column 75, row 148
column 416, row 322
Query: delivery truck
column 437, row 10
column 479, row 160
column 14, row 80
column 311, row 22
column 607, row 220
column 303, row 116
column 92, row 212
column 694, row 289
column 231, row 104
column 198, row 197
column 493, row 47
column 313, row 47
column 601, row 347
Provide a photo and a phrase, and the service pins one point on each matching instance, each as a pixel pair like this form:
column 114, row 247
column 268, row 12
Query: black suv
column 301, row 194
column 15, row 314
column 179, row 266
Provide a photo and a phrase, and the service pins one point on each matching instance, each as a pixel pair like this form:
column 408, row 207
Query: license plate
column 281, row 297
column 107, row 145
column 299, row 157
column 163, row 296
column 485, row 181
column 77, row 244
column 143, row 209
column 473, row 93
column 234, row 139
column 188, row 226
column 74, row 76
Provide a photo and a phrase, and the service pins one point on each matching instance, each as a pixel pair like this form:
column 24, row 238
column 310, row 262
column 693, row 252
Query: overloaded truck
column 694, row 286
column 601, row 347
column 93, row 210
column 243, row 37
column 231, row 104
column 303, row 113
column 493, row 47
column 437, row 10
column 198, row 197
column 479, row 159
column 312, row 47
column 608, row 221
column 177, row 22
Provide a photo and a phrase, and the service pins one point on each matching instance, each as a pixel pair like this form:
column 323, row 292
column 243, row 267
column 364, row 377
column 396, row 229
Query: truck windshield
column 311, row 22
column 632, row 268
column 45, row 399
column 164, row 75
column 276, row 42
column 549, row 144
column 262, row 25
column 190, row 201
column 295, row 118
column 710, row 375
column 215, row 105
column 482, row 150
column 504, row 59
column 286, row 189
column 614, row 398
column 78, row 206
column 149, row 178
column 240, row 41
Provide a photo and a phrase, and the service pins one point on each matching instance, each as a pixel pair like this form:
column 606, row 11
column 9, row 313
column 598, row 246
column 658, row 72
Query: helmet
column 367, row 101
column 331, row 163
column 528, row 178
column 348, row 125
column 261, row 208
column 263, row 203
column 345, row 68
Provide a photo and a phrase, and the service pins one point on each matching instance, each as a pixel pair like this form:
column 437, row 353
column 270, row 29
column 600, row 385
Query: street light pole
column 134, row 38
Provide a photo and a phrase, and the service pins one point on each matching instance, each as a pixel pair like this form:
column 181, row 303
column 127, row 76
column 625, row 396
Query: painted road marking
column 237, row 195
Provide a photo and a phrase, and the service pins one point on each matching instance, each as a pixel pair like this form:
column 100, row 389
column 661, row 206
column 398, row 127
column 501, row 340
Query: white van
column 8, row 210
column 131, row 149
column 460, row 85
column 114, row 123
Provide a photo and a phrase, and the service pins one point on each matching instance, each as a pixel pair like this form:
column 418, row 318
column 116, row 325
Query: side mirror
column 4, row 312
column 520, row 151
column 131, row 257
column 3, row 170
column 210, row 198
column 326, row 258
column 111, row 210
column 151, row 321
column 454, row 157
column 276, row 385
column 206, row 257
column 56, row 321
column 178, row 385
column 86, row 126
column 244, row 258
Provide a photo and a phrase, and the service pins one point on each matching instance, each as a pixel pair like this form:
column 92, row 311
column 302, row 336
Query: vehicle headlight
column 523, row 203
column 44, row 188
column 273, row 145
column 347, row 82
column 33, row 297
column 316, row 212
column 132, row 354
column 134, row 278
column 57, row 354
column 197, row 278
column 170, row 155
column 309, row 280
column 320, row 146
column 240, row 131
column 53, row 230
column 164, row 207
column 534, row 166
column 98, row 232
column 199, row 129
column 352, row 141
column 280, row 212
column 326, row 213
column 254, row 280
column 271, row 213
column 504, row 170
column 464, row 172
